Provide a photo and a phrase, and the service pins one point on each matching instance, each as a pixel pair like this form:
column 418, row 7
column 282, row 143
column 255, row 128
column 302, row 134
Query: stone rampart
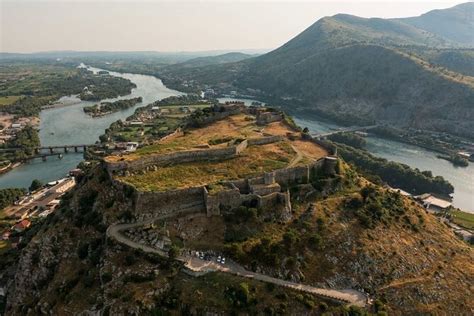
column 228, row 198
column 265, row 140
column 177, row 133
column 178, row 157
column 216, row 116
column 175, row 157
column 234, row 194
column 264, row 118
column 330, row 148
column 190, row 200
column 287, row 176
column 272, row 200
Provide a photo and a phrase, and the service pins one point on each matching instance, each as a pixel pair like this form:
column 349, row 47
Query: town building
column 433, row 203
column 22, row 225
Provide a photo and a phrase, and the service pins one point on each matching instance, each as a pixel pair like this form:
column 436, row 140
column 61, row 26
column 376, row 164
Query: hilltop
column 125, row 240
column 412, row 76
column 455, row 24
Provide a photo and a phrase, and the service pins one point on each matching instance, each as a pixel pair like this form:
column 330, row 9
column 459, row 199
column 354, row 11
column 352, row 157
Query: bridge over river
column 345, row 130
column 46, row 151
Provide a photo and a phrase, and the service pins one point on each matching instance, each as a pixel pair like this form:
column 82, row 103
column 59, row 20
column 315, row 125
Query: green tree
column 173, row 252
column 35, row 185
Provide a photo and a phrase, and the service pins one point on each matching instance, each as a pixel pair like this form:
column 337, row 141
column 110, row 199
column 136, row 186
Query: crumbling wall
column 228, row 198
column 175, row 157
column 241, row 147
column 299, row 174
column 177, row 133
column 264, row 118
column 155, row 204
column 241, row 184
column 178, row 157
column 265, row 189
column 265, row 140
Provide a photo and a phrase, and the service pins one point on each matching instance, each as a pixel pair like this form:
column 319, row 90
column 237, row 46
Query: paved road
column 40, row 199
column 197, row 265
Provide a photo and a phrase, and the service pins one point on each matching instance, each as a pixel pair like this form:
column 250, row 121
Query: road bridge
column 54, row 149
column 345, row 130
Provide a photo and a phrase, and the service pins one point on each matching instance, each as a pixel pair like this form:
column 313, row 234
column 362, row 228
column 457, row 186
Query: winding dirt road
column 198, row 266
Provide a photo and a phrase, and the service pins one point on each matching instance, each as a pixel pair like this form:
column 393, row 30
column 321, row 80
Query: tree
column 366, row 192
column 173, row 252
column 35, row 185
column 243, row 293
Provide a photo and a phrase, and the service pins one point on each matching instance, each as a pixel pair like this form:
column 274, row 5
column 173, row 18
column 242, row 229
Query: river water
column 416, row 157
column 70, row 125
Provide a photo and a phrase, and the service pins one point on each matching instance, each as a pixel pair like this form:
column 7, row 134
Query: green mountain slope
column 358, row 70
column 455, row 24
column 214, row 60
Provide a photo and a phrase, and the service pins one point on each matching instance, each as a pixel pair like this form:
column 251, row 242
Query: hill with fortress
column 238, row 210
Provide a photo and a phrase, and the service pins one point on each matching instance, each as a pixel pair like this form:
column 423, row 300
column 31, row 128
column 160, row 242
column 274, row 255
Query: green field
column 463, row 219
column 9, row 99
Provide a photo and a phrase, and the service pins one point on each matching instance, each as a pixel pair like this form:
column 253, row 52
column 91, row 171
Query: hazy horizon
column 182, row 26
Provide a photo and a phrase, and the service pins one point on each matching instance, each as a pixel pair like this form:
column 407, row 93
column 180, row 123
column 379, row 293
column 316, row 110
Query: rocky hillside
column 344, row 233
column 406, row 82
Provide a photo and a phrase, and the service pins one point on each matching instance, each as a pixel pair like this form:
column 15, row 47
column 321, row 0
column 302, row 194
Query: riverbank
column 106, row 108
column 9, row 167
column 68, row 124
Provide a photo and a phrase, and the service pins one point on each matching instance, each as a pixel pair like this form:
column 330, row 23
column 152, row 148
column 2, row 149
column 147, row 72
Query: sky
column 171, row 26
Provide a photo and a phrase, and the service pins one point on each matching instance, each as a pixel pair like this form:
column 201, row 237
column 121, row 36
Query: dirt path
column 297, row 158
column 197, row 265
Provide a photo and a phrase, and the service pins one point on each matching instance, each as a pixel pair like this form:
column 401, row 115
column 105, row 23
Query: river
column 70, row 125
column 416, row 157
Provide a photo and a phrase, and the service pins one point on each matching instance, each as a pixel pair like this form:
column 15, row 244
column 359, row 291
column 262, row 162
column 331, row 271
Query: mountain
column 214, row 60
column 455, row 24
column 357, row 70
column 358, row 236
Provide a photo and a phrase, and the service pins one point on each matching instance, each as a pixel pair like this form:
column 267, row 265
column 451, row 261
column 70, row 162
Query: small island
column 105, row 108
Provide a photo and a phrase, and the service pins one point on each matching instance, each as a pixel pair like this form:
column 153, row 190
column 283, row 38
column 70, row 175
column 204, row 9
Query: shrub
column 83, row 251
column 130, row 260
column 323, row 306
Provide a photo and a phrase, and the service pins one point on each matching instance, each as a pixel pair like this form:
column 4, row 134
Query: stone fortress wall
column 154, row 161
column 269, row 190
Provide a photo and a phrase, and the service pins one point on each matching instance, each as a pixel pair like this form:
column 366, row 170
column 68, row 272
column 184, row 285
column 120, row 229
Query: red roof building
column 21, row 226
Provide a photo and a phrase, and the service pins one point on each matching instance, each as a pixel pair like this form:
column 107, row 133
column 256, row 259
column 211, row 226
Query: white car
column 223, row 260
column 219, row 259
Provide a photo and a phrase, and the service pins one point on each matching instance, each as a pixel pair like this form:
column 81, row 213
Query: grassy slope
column 463, row 219
column 411, row 260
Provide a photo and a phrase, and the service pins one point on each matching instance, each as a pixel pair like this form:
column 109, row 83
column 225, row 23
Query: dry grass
column 309, row 149
column 253, row 161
